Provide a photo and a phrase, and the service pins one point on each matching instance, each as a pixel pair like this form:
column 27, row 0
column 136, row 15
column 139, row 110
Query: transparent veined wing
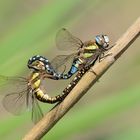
column 62, row 63
column 66, row 41
column 9, row 84
column 5, row 79
column 37, row 113
column 18, row 97
column 16, row 103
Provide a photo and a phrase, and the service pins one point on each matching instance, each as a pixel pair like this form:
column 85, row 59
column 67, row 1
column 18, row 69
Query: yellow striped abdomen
column 35, row 80
column 41, row 96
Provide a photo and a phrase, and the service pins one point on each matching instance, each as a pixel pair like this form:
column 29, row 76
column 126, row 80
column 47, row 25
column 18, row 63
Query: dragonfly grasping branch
column 87, row 81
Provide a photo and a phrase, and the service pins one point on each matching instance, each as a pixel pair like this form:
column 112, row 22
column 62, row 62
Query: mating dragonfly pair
column 29, row 90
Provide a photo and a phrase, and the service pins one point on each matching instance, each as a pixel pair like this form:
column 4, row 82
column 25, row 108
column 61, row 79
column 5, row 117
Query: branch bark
column 52, row 117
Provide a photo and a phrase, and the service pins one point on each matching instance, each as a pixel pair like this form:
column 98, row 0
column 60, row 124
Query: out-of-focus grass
column 7, row 124
column 33, row 35
column 94, row 114
column 22, row 36
column 17, row 121
column 128, row 134
column 87, row 117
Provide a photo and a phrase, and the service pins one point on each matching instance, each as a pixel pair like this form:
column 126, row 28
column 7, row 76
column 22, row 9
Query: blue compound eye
column 98, row 40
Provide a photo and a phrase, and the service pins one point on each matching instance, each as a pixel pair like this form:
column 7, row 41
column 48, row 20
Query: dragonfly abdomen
column 74, row 68
column 72, row 71
column 75, row 80
column 41, row 96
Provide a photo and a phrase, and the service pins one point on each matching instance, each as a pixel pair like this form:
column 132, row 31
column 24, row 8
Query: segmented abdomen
column 75, row 80
column 41, row 96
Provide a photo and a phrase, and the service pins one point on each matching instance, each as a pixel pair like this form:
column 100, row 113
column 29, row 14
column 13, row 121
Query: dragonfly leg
column 112, row 46
column 101, row 57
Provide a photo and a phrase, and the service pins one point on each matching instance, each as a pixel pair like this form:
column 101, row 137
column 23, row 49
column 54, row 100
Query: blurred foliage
column 28, row 27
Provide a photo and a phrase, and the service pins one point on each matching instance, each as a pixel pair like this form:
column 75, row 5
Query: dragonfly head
column 37, row 63
column 40, row 63
column 102, row 41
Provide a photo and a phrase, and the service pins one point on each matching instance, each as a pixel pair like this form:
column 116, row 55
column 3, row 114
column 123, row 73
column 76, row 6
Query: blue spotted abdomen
column 42, row 64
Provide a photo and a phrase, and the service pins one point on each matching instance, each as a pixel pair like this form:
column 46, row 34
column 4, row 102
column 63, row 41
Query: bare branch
column 52, row 117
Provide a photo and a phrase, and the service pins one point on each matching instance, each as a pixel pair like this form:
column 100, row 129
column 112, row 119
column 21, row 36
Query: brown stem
column 52, row 117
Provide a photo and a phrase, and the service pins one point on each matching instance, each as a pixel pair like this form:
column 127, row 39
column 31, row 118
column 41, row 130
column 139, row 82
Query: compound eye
column 106, row 39
column 98, row 40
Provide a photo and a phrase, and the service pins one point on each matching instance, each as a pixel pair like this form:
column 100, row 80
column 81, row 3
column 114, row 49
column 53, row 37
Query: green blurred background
column 111, row 109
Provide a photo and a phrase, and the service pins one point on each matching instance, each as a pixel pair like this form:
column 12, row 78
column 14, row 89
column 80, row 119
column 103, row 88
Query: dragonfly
column 24, row 93
column 84, row 54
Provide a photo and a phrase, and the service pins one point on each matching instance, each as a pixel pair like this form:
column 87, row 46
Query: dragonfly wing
column 14, row 84
column 66, row 41
column 62, row 62
column 15, row 103
column 20, row 98
column 16, row 99
column 37, row 113
column 5, row 79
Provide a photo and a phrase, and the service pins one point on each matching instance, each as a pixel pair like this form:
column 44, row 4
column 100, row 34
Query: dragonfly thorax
column 89, row 49
column 34, row 81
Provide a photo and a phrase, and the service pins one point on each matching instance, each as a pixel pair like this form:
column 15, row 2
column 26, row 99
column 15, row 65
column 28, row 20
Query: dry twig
column 52, row 117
